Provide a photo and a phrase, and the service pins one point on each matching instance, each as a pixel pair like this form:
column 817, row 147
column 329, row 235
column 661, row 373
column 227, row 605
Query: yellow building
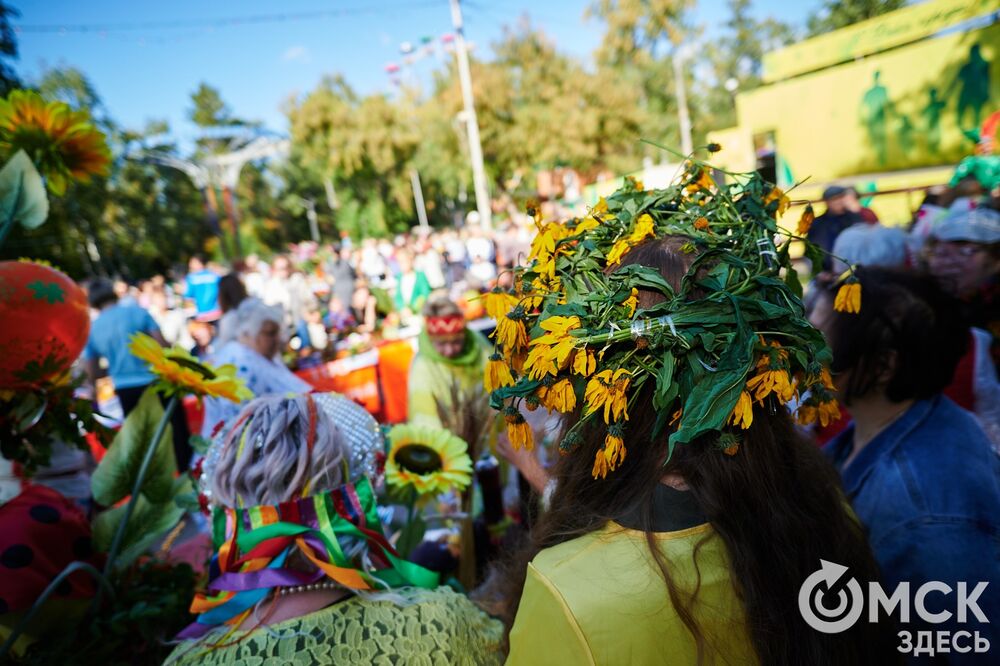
column 881, row 105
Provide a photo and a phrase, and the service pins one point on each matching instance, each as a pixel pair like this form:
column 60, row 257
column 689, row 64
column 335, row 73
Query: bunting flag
column 252, row 546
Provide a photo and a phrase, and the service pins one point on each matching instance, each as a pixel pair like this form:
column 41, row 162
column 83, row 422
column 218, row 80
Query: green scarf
column 473, row 348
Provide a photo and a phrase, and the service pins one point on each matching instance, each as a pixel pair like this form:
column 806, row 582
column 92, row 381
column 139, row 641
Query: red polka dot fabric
column 40, row 533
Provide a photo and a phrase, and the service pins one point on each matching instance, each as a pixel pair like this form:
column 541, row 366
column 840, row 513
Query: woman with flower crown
column 302, row 572
column 686, row 511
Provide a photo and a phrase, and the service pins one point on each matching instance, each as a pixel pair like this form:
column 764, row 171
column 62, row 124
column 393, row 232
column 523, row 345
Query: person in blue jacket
column 919, row 471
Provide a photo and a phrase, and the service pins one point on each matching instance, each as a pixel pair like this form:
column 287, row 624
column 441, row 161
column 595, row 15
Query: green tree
column 8, row 49
column 207, row 108
column 835, row 14
column 736, row 60
column 640, row 38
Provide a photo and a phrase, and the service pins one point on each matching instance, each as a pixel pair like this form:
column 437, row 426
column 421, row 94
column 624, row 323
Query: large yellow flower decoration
column 62, row 143
column 180, row 372
column 429, row 460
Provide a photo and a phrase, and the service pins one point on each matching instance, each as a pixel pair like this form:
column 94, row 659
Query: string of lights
column 223, row 22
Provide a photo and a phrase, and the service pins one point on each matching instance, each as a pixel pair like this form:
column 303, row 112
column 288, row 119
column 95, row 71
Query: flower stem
column 70, row 569
column 147, row 460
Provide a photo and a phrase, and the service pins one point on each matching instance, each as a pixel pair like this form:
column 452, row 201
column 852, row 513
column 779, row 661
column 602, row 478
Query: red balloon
column 44, row 323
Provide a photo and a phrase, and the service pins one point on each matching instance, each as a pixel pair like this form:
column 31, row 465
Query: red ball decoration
column 44, row 323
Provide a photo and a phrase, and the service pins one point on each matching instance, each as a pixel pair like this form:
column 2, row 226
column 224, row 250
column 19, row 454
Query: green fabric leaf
column 116, row 475
column 22, row 193
column 149, row 521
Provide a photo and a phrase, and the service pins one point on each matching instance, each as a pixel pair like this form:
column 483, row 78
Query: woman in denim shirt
column 919, row 471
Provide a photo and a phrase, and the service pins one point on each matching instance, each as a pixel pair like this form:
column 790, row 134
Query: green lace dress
column 431, row 628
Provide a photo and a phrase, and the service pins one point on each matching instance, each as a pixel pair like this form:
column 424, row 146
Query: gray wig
column 265, row 460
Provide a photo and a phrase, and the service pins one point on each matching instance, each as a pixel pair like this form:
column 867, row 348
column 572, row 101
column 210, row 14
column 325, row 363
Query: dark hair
column 100, row 292
column 231, row 292
column 908, row 326
column 776, row 504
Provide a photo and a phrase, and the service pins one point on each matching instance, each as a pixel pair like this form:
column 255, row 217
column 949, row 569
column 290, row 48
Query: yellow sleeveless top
column 601, row 599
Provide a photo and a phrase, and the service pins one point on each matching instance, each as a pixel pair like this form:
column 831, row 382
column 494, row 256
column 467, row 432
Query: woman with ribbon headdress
column 449, row 352
column 303, row 573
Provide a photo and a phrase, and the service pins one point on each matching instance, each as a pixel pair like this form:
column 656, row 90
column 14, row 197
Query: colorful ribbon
column 253, row 545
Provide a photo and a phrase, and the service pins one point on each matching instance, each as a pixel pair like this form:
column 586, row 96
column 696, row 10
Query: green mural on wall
column 875, row 110
column 974, row 79
column 970, row 87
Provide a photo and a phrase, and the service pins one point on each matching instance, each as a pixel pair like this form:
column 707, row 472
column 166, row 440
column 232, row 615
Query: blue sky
column 149, row 72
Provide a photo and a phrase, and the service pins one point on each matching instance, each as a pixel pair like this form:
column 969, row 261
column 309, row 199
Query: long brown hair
column 777, row 505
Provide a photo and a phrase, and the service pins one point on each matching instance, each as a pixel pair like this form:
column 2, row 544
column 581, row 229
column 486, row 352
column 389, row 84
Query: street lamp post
column 471, row 122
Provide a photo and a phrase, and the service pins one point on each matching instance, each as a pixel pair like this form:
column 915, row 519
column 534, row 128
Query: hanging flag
column 447, row 38
column 405, row 48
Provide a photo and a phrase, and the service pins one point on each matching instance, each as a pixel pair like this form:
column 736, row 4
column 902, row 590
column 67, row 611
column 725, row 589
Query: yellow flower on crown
column 742, row 415
column 848, row 298
column 777, row 194
column 584, row 363
column 644, row 228
column 806, row 221
column 181, row 373
column 607, row 389
column 619, row 250
column 632, row 302
column 497, row 374
column 498, row 304
column 510, row 331
column 518, row 430
column 560, row 396
column 541, row 361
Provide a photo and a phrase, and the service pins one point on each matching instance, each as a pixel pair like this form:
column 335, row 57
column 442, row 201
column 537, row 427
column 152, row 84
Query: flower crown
column 570, row 331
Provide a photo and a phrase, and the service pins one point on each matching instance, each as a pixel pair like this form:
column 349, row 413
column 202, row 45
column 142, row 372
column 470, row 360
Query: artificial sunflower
column 497, row 373
column 180, row 372
column 429, row 460
column 848, row 298
column 62, row 143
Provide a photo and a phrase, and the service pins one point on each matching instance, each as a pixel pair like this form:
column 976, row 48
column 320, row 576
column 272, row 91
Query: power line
column 223, row 22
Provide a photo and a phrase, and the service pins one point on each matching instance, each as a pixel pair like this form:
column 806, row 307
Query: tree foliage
column 835, row 14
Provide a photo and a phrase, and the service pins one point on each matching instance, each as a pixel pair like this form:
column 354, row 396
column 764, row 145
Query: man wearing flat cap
column 838, row 216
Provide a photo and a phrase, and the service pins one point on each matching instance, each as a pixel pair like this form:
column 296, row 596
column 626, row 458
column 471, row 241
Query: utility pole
column 471, row 123
column 682, row 107
column 310, row 205
column 418, row 198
